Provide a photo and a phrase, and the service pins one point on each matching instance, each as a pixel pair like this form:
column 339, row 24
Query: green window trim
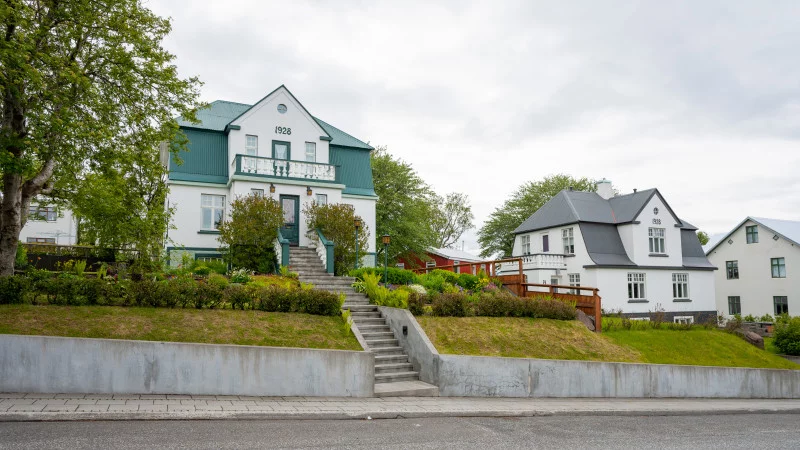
column 751, row 232
column 778, row 266
column 288, row 149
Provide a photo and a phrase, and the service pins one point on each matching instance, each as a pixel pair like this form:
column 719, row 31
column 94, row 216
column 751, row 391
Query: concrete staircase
column 394, row 374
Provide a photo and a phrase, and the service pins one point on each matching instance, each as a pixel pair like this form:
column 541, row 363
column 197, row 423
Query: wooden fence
column 517, row 283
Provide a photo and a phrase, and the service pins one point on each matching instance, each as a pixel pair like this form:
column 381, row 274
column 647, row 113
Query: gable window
column 213, row 207
column 42, row 213
column 752, row 234
column 680, row 286
column 281, row 150
column 781, row 304
column 568, row 238
column 778, row 267
column 686, row 320
column 574, row 280
column 257, row 192
column 311, row 151
column 322, row 199
column 734, row 304
column 636, row 286
column 732, row 270
column 545, row 243
column 525, row 241
column 251, row 145
column 656, row 236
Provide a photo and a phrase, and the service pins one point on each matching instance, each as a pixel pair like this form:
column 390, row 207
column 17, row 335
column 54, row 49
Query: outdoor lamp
column 357, row 222
column 271, row 188
column 386, row 239
column 308, row 191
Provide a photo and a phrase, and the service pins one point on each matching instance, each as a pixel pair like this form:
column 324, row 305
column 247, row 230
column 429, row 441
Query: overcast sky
column 698, row 99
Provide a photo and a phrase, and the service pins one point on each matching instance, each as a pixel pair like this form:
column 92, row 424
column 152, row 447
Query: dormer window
column 657, row 240
column 568, row 237
column 251, row 145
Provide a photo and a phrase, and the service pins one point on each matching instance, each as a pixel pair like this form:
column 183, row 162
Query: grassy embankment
column 553, row 339
column 208, row 326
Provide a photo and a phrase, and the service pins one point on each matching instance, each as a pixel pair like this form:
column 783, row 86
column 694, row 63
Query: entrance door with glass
column 290, row 205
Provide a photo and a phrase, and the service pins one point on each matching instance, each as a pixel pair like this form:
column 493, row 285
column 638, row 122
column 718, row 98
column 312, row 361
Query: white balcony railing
column 535, row 261
column 282, row 168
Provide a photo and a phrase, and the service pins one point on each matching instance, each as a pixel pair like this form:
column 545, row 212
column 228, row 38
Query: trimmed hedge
column 395, row 275
column 176, row 292
column 495, row 305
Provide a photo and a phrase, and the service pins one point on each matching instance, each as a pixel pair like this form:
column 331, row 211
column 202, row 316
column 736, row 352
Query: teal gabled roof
column 220, row 113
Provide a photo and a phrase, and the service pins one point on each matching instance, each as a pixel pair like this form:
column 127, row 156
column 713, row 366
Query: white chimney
column 604, row 189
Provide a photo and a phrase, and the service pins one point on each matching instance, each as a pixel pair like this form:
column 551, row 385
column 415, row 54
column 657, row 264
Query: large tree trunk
column 10, row 222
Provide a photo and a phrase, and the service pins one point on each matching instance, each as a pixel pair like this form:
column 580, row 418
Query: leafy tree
column 496, row 235
column 250, row 232
column 453, row 218
column 703, row 237
column 406, row 207
column 124, row 207
column 335, row 220
column 85, row 85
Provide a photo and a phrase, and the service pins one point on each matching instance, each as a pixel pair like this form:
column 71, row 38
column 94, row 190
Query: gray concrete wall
column 421, row 352
column 476, row 376
column 480, row 376
column 105, row 366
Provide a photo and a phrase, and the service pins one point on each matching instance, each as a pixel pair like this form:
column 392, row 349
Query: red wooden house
column 447, row 259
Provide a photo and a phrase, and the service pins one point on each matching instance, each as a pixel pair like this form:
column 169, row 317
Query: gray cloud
column 701, row 100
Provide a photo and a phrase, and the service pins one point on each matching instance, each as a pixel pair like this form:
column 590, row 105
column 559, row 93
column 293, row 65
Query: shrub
column 548, row 308
column 395, row 275
column 322, row 303
column 450, row 277
column 207, row 295
column 218, row 281
column 750, row 318
column 241, row 276
column 380, row 295
column 13, row 290
column 145, row 293
column 451, row 305
column 184, row 288
column 469, row 281
column 498, row 305
column 217, row 266
column 433, row 282
column 335, row 220
column 416, row 303
column 237, row 295
column 787, row 335
column 21, row 258
column 766, row 318
column 201, row 270
column 97, row 291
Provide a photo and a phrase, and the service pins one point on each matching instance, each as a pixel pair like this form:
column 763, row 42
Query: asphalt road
column 766, row 431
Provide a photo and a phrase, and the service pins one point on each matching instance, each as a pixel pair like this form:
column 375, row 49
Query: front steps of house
column 394, row 374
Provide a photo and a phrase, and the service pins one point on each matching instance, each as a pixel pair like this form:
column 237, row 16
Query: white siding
column 365, row 207
column 613, row 285
column 755, row 285
column 63, row 229
column 640, row 239
column 188, row 215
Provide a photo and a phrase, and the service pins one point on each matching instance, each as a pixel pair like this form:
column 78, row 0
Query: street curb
column 238, row 415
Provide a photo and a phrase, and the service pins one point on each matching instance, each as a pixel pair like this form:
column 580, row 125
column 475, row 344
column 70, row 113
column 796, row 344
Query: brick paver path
column 16, row 406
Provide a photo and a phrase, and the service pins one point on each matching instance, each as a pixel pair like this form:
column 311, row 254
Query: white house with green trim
column 274, row 147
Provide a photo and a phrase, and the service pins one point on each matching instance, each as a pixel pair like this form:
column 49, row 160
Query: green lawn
column 554, row 339
column 208, row 326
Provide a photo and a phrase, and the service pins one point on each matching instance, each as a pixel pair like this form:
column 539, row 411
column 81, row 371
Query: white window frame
column 680, row 286
column 574, row 280
column 400, row 265
column 641, row 319
column 637, row 286
column 251, row 145
column 525, row 242
column 39, row 213
column 657, row 238
column 311, row 151
column 321, row 199
column 215, row 204
column 257, row 192
column 40, row 240
column 430, row 264
column 568, row 239
column 687, row 320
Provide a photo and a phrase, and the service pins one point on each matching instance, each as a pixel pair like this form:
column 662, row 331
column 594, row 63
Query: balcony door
column 290, row 205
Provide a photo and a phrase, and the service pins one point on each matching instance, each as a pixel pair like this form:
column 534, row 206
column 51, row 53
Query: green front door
column 290, row 204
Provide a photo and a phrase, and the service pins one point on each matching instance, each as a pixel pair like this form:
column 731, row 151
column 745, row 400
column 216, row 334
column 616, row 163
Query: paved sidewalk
column 46, row 407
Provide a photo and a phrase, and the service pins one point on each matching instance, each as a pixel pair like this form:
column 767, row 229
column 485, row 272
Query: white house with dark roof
column 274, row 147
column 633, row 248
column 759, row 262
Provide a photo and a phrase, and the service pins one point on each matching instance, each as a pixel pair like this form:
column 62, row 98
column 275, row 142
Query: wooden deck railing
column 517, row 283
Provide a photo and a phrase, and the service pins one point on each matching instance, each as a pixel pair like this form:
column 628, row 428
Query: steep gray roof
column 692, row 251
column 604, row 245
column 787, row 229
column 578, row 207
